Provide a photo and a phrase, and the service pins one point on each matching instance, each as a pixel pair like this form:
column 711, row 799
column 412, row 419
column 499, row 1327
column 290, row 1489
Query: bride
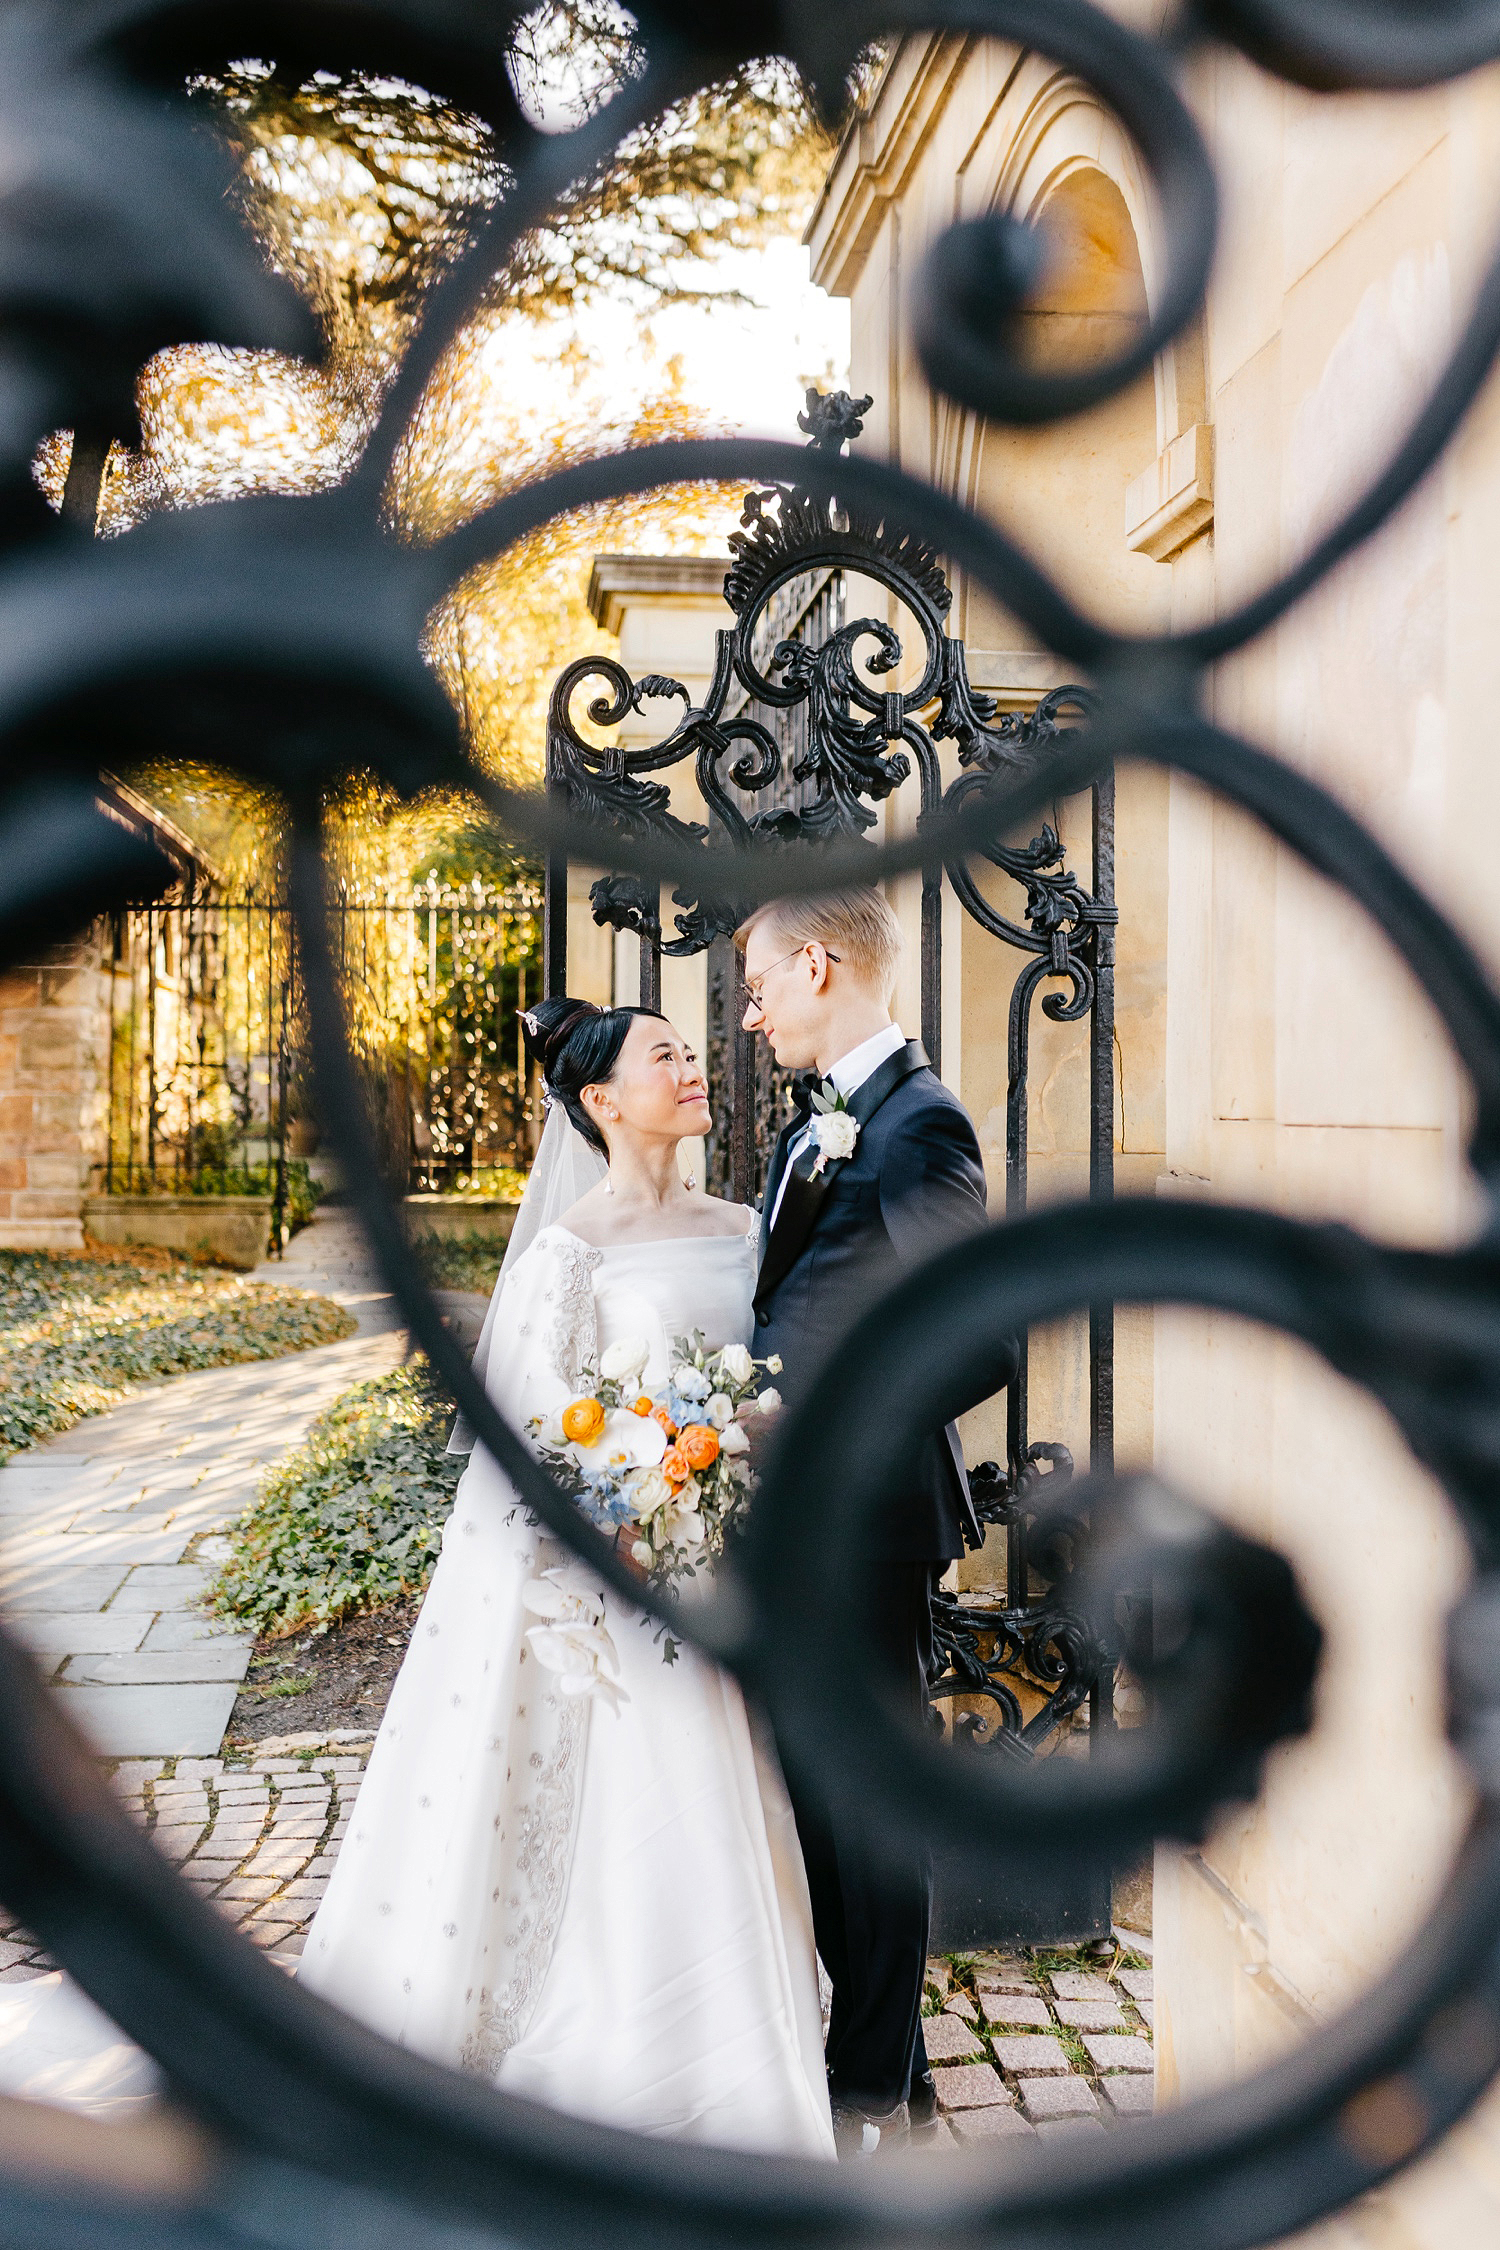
column 572, row 1868
column 595, row 1899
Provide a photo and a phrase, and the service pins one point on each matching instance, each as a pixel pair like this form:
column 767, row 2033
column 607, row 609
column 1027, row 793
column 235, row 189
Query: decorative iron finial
column 833, row 419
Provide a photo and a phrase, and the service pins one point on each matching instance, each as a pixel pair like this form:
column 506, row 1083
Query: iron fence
column 210, row 1085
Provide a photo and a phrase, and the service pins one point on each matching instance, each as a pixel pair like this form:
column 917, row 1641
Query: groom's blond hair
column 857, row 925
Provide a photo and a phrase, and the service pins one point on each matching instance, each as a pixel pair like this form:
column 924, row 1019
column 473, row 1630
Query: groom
column 900, row 1174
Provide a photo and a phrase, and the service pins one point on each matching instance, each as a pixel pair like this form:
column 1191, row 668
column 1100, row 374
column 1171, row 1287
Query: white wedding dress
column 595, row 1900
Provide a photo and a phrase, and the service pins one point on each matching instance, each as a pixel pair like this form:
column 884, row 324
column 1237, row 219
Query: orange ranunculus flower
column 583, row 1422
column 641, row 1406
column 674, row 1465
column 699, row 1446
column 660, row 1414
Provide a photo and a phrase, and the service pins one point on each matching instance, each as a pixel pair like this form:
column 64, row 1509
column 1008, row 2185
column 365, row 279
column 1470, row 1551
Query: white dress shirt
column 849, row 1072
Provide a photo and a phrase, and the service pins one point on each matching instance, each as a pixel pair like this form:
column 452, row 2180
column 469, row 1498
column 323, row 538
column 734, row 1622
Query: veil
column 565, row 1169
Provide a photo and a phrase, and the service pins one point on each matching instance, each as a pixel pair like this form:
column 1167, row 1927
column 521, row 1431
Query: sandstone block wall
column 54, row 1080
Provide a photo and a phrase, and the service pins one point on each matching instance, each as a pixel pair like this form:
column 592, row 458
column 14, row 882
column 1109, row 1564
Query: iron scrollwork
column 858, row 744
column 288, row 632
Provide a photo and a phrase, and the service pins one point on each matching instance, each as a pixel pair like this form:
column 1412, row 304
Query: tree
column 363, row 191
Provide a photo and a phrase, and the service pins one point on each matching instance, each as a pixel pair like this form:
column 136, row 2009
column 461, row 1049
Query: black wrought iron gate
column 288, row 637
column 799, row 738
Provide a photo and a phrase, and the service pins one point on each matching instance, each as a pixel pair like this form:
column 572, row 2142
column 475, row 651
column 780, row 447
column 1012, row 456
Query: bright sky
column 751, row 364
column 747, row 364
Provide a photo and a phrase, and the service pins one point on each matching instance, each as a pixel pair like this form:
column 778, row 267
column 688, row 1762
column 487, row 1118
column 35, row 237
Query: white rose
column 691, row 1382
column 641, row 1553
column 773, row 1364
column 649, row 1490
column 719, row 1410
column 737, row 1363
column 769, row 1402
column 622, row 1362
column 835, row 1133
column 733, row 1440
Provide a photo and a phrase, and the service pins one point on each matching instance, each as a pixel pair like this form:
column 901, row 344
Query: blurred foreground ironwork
column 286, row 635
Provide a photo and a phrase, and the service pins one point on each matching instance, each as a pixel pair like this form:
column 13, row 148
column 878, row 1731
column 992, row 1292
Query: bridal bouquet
column 671, row 1464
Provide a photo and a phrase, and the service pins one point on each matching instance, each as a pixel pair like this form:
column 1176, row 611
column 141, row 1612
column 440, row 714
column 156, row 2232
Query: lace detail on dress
column 572, row 1341
column 544, row 1826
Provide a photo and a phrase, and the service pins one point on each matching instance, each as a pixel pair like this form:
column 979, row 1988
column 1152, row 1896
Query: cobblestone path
column 258, row 1837
column 1021, row 2046
column 1040, row 2044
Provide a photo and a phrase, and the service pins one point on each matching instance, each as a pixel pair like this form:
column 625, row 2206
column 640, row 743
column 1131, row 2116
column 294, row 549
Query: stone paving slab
column 1077, row 1984
column 1137, row 1982
column 997, row 2124
column 90, row 1632
column 1129, row 2096
column 1008, row 1979
column 185, row 1629
column 1091, row 2015
column 970, row 2086
column 123, row 1722
column 1031, row 2052
column 200, row 1661
column 949, row 2039
column 1057, row 2097
column 1028, row 2009
column 165, row 1586
column 59, row 1587
column 1119, row 2054
column 112, row 1544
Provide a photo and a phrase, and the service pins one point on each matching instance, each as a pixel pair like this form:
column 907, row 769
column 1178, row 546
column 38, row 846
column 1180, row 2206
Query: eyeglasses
column 754, row 989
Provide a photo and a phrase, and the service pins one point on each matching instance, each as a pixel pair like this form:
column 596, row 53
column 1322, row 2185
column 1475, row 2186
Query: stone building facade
column 54, row 1072
column 54, row 1057
column 1272, row 1052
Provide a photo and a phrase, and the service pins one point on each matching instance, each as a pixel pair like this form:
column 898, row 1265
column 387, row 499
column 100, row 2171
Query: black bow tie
column 804, row 1086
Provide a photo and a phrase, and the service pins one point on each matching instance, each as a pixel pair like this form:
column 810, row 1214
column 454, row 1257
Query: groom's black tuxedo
column 914, row 1182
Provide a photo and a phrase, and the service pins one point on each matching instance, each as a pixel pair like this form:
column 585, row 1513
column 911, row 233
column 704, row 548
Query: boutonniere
column 835, row 1129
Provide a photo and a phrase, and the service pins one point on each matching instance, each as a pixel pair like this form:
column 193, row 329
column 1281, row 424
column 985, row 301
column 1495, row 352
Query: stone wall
column 54, row 1077
column 1272, row 1052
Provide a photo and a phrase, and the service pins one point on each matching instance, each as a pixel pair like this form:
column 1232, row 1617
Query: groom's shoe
column 927, row 2129
column 860, row 2132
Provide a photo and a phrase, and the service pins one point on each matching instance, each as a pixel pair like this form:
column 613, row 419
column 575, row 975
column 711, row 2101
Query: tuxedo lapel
column 777, row 1166
column 882, row 1083
column 782, row 1243
column 805, row 1190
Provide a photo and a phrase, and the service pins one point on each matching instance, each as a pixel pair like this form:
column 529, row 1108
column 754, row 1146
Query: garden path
column 110, row 1532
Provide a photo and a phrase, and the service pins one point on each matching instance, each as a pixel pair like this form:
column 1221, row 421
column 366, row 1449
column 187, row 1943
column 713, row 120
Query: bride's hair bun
column 576, row 1044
